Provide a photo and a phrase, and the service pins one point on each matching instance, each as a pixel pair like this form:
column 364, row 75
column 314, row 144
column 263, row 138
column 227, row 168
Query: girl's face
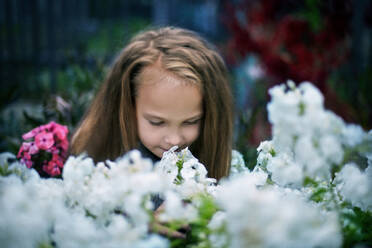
column 169, row 111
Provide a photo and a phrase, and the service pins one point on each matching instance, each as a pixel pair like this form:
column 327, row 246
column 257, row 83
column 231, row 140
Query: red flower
column 44, row 140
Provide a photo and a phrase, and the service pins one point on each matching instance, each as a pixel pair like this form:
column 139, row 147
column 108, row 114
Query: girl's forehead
column 168, row 97
column 155, row 74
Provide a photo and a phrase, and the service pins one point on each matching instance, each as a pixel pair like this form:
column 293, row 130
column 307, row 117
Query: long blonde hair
column 109, row 127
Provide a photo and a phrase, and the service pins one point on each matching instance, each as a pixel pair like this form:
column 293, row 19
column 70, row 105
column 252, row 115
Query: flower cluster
column 95, row 205
column 310, row 188
column 316, row 153
column 186, row 172
column 270, row 217
column 45, row 149
column 308, row 141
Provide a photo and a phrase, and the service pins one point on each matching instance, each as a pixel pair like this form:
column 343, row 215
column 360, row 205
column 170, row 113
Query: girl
column 167, row 87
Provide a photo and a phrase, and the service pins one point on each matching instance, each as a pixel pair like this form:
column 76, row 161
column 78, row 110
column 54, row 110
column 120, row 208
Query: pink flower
column 44, row 140
column 58, row 160
column 46, row 150
column 64, row 145
column 26, row 156
column 54, row 150
column 24, row 148
column 27, row 160
column 33, row 148
column 60, row 131
column 52, row 169
column 49, row 126
column 28, row 163
column 31, row 133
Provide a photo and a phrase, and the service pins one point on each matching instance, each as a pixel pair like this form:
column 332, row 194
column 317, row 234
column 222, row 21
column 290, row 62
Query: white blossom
column 355, row 186
column 284, row 171
column 176, row 209
column 353, row 134
column 27, row 213
column 237, row 164
column 267, row 218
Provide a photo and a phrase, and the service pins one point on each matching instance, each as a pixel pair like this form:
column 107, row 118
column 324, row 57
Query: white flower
column 176, row 209
column 331, row 149
column 168, row 164
column 311, row 96
column 308, row 157
column 192, row 169
column 353, row 135
column 265, row 153
column 152, row 241
column 26, row 213
column 284, row 171
column 258, row 176
column 355, row 186
column 74, row 229
column 133, row 162
column 266, row 217
column 5, row 157
column 237, row 164
column 218, row 237
column 77, row 168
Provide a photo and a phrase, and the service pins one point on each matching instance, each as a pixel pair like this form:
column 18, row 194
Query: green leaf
column 45, row 245
column 357, row 228
column 4, row 170
column 318, row 195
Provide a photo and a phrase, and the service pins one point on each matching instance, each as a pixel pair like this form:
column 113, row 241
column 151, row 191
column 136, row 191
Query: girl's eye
column 156, row 123
column 192, row 122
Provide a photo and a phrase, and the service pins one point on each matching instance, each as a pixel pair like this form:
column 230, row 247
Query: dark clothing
column 156, row 200
column 147, row 154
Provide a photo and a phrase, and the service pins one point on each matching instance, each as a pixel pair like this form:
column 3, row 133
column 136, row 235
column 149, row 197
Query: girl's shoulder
column 237, row 165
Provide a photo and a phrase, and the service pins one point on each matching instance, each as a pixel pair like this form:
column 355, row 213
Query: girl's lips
column 180, row 148
column 164, row 150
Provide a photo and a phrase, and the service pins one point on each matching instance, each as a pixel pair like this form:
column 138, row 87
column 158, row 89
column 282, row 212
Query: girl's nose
column 173, row 139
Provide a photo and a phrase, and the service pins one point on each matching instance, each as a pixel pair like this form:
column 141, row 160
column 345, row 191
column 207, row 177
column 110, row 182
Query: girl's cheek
column 192, row 133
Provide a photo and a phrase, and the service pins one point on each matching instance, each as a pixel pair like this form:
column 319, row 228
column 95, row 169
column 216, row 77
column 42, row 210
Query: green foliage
column 353, row 89
column 179, row 164
column 312, row 14
column 358, row 153
column 197, row 237
column 247, row 119
column 357, row 228
column 34, row 103
column 4, row 170
column 318, row 195
column 301, row 107
column 45, row 245
column 76, row 87
column 111, row 36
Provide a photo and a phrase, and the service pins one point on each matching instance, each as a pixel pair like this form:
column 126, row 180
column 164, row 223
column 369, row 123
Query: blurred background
column 55, row 53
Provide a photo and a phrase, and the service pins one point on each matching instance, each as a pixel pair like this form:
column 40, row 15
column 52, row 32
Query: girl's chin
column 158, row 152
column 161, row 152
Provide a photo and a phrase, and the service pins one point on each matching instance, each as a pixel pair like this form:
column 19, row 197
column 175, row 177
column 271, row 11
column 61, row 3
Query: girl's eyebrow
column 195, row 117
column 154, row 116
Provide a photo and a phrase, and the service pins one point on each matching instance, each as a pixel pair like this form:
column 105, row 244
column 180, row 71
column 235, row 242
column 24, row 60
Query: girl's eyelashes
column 194, row 122
column 159, row 123
column 156, row 123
